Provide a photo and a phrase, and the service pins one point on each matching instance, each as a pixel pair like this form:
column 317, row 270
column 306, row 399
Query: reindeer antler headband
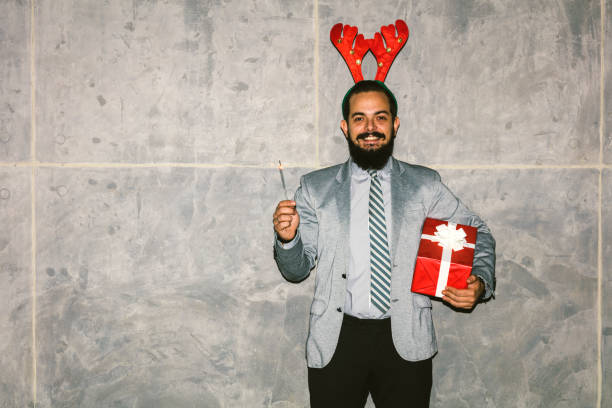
column 384, row 53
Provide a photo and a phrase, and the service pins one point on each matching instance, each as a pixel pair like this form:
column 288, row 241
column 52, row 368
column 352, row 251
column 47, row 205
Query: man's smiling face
column 369, row 125
column 370, row 129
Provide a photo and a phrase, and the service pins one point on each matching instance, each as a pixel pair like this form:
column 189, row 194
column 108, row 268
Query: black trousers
column 365, row 361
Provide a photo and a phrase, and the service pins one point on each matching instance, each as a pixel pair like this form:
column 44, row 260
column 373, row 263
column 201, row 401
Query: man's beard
column 371, row 159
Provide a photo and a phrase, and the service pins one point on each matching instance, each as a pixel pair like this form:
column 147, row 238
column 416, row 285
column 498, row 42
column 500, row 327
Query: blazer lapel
column 343, row 202
column 399, row 198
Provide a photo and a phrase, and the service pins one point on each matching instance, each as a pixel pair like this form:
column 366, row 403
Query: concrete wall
column 138, row 141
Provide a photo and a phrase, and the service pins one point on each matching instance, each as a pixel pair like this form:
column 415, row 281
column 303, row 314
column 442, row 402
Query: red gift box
column 445, row 257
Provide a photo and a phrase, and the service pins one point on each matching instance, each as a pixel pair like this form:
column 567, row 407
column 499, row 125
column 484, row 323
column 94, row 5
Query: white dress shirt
column 357, row 302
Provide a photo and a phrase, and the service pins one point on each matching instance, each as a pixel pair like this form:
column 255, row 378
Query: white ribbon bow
column 450, row 237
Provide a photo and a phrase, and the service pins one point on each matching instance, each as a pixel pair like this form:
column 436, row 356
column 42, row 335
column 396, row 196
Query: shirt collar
column 359, row 173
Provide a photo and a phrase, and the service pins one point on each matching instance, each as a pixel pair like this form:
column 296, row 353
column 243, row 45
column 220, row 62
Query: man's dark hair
column 369, row 86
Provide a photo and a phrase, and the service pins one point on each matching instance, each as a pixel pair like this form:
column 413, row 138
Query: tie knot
column 373, row 173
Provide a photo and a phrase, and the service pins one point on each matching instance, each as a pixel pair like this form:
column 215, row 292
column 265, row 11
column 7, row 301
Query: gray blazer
column 323, row 204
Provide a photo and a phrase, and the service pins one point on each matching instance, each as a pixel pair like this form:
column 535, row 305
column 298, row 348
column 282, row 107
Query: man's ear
column 396, row 124
column 344, row 127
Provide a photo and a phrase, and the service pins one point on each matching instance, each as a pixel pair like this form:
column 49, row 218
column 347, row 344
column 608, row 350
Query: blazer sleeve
column 445, row 205
column 296, row 262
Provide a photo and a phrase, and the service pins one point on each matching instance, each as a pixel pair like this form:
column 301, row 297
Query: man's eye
column 382, row 118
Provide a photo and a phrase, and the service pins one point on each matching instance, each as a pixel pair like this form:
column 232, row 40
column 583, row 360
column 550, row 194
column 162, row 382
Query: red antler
column 386, row 55
column 353, row 56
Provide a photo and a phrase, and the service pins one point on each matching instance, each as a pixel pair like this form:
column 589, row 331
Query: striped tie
column 380, row 263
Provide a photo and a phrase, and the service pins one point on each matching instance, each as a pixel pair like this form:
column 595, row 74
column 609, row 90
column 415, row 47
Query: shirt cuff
column 290, row 244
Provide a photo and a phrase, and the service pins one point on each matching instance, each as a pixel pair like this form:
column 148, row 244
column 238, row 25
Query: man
column 365, row 338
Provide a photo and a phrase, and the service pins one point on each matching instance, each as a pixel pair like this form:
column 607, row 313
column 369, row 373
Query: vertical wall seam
column 33, row 194
column 599, row 295
column 315, row 12
column 602, row 110
column 599, row 206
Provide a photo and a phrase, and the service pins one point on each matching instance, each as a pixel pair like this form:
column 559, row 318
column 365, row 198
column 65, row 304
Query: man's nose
column 369, row 126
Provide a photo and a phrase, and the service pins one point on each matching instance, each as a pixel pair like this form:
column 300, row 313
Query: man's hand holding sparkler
column 286, row 220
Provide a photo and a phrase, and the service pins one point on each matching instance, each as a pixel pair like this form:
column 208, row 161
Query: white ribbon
column 450, row 239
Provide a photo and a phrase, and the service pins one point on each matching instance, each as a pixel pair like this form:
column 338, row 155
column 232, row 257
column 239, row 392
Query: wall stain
column 577, row 17
column 5, row 194
column 240, row 86
column 60, row 190
column 463, row 12
column 522, row 277
column 5, row 125
column 83, row 277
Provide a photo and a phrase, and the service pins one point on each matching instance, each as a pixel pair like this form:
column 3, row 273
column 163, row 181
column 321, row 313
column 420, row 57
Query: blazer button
column 344, row 275
column 339, row 309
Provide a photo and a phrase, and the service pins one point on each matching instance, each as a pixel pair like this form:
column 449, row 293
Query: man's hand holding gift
column 465, row 298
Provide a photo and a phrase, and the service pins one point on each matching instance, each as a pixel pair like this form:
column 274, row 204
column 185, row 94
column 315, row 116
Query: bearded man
column 360, row 224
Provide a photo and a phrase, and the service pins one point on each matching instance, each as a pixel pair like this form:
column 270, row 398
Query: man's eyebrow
column 386, row 112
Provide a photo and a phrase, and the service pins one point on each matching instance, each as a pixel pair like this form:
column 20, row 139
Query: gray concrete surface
column 143, row 81
column 157, row 127
column 14, row 81
column 15, row 291
column 152, row 288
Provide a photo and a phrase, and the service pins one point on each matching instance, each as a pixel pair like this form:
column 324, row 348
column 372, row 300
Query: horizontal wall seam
column 298, row 165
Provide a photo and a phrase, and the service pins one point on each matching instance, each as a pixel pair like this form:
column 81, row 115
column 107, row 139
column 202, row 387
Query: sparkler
column 280, row 170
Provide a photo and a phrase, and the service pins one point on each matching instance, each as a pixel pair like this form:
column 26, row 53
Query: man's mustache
column 366, row 134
